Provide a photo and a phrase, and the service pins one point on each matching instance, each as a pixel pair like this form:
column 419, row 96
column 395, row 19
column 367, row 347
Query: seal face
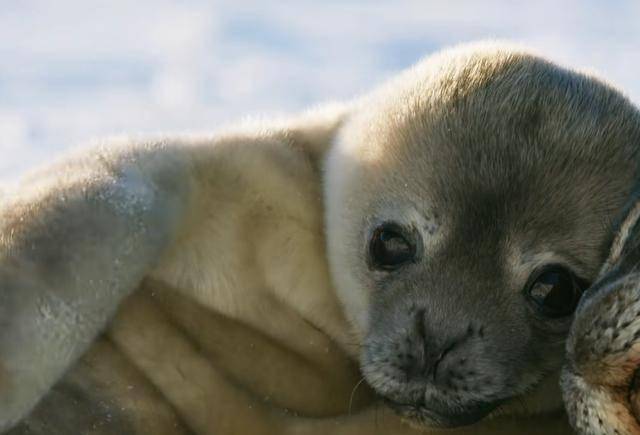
column 469, row 205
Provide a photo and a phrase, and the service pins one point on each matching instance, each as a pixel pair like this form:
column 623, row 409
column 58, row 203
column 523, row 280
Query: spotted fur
column 603, row 349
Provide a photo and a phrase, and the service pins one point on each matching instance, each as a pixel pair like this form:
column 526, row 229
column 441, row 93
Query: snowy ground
column 73, row 70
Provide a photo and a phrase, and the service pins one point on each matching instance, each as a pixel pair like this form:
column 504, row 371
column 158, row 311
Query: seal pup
column 440, row 231
column 600, row 378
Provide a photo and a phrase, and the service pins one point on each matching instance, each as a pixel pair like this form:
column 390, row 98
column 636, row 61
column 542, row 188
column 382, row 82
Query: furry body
column 196, row 252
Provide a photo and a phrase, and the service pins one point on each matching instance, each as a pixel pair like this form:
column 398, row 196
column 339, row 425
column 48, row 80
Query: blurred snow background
column 71, row 70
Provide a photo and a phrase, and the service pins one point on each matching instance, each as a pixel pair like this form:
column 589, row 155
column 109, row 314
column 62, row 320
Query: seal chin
column 437, row 415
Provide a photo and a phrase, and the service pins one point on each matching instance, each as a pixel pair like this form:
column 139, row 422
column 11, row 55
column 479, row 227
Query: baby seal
column 600, row 380
column 440, row 231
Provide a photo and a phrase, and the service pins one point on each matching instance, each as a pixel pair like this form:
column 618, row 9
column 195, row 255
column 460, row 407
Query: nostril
column 442, row 355
column 413, row 359
column 419, row 325
column 425, row 352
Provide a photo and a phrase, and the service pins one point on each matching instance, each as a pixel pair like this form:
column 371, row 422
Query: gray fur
column 523, row 163
column 68, row 256
column 73, row 407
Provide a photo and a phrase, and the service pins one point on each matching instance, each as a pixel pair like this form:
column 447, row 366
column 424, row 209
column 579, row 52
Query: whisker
column 353, row 392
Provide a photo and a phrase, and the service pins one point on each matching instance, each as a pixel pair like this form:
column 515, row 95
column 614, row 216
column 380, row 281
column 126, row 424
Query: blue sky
column 71, row 71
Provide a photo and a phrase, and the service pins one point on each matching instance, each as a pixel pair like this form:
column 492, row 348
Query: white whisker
column 353, row 392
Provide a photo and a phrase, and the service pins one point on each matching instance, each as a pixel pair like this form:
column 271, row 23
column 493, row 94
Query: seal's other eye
column 390, row 247
column 555, row 291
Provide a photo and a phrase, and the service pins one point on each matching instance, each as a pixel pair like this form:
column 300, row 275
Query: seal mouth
column 438, row 415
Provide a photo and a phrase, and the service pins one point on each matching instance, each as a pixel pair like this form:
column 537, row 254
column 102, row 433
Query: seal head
column 469, row 204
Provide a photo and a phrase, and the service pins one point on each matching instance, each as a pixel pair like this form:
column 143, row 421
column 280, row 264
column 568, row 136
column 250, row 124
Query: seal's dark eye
column 390, row 247
column 555, row 291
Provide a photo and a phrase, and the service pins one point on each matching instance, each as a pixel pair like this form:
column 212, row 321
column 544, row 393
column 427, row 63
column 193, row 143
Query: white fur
column 235, row 221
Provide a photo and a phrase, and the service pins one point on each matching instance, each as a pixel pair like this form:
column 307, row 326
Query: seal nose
column 425, row 351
